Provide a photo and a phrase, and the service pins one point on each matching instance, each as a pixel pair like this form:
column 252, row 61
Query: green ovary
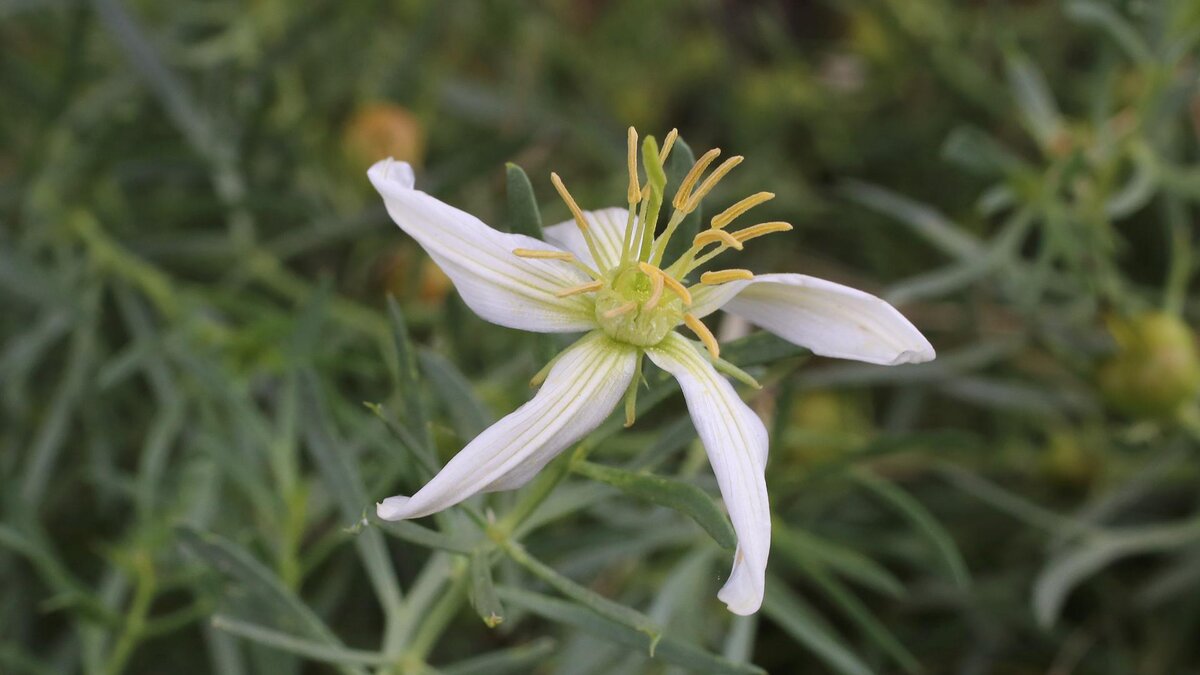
column 640, row 326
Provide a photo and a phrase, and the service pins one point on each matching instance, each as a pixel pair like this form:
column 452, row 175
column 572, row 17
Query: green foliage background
column 193, row 282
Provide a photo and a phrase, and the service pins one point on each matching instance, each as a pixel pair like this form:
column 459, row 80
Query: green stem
column 434, row 622
column 134, row 626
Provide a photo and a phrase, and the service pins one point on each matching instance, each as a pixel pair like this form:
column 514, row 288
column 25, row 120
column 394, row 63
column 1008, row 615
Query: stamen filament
column 711, row 182
column 705, row 335
column 703, row 259
column 620, row 309
column 656, row 290
column 713, row 236
column 689, row 181
column 725, row 276
column 581, row 288
column 724, row 218
column 755, row 231
column 543, row 255
column 577, row 213
column 660, row 244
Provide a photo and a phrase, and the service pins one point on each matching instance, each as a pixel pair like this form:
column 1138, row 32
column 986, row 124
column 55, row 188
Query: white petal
column 736, row 442
column 497, row 285
column 608, row 231
column 829, row 319
column 581, row 390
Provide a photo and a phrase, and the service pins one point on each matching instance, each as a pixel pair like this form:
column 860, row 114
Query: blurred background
column 194, row 274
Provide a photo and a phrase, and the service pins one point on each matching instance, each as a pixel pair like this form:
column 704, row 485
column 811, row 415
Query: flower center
column 626, row 313
column 638, row 298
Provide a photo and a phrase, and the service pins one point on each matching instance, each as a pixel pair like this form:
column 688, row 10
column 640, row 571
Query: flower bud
column 1156, row 368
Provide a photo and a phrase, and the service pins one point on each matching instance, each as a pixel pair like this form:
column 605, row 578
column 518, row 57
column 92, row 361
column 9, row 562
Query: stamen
column 668, row 142
column 725, row 276
column 656, row 290
column 634, row 193
column 543, row 255
column 713, row 236
column 581, row 288
column 730, row 214
column 678, row 289
column 619, row 310
column 705, row 335
column 577, row 213
column 689, row 181
column 755, row 231
column 711, row 182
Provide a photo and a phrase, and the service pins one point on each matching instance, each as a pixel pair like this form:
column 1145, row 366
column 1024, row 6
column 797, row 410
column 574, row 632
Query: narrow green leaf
column 922, row 521
column 234, row 562
column 800, row 621
column 683, row 497
column 587, row 597
column 976, row 150
column 924, row 220
column 799, row 547
column 523, row 215
column 1063, row 573
column 409, row 383
column 343, row 481
column 669, row 650
column 423, row 536
column 468, row 414
column 299, row 645
column 1034, row 99
column 857, row 612
column 520, row 659
column 679, row 162
column 759, row 349
column 483, row 589
column 1106, row 18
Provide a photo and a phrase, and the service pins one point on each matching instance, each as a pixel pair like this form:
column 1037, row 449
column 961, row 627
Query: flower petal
column 581, row 390
column 736, row 442
column 496, row 284
column 608, row 230
column 829, row 319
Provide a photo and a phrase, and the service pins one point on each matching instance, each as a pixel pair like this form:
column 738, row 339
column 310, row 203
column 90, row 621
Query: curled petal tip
column 392, row 508
column 918, row 355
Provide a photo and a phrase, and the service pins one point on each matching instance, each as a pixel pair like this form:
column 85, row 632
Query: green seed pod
column 1156, row 368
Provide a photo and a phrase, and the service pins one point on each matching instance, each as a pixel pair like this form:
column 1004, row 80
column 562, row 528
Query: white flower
column 602, row 273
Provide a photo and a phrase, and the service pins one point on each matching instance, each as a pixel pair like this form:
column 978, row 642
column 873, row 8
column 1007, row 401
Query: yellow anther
column 566, row 197
column 755, row 231
column 656, row 290
column 678, row 289
column 542, row 255
column 705, row 335
column 668, row 143
column 581, row 288
column 709, row 183
column 689, row 181
column 725, row 276
column 634, row 193
column 620, row 309
column 730, row 214
column 713, row 236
